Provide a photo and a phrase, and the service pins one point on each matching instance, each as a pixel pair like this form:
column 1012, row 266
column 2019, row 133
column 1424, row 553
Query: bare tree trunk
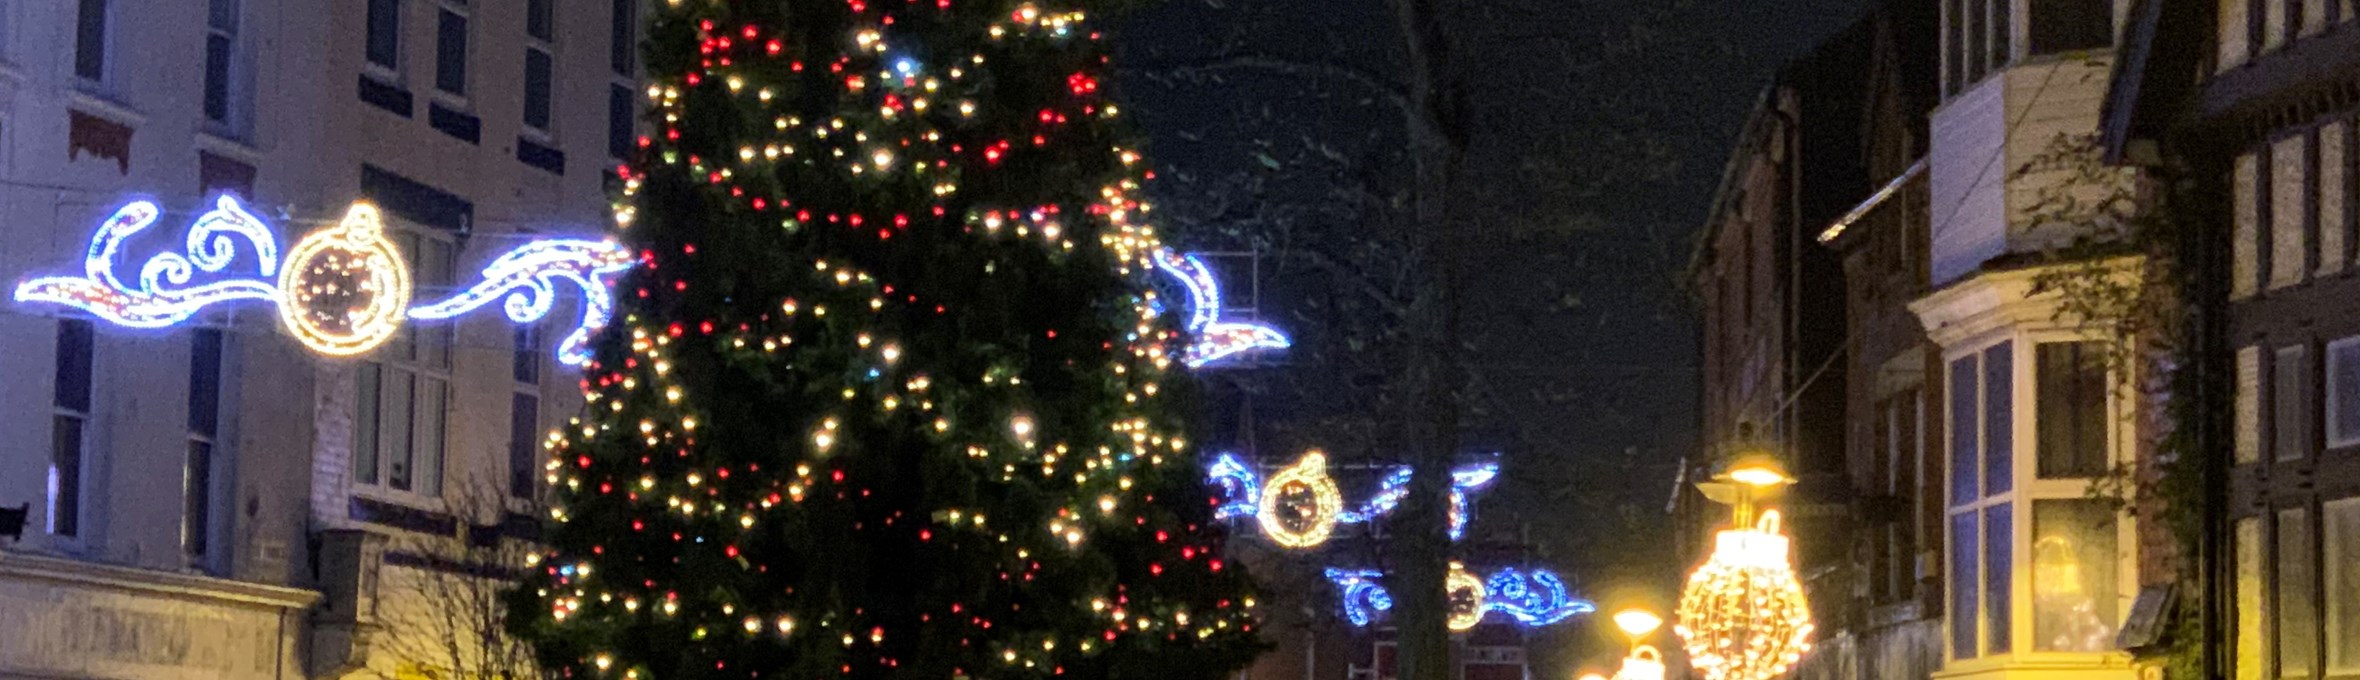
column 1437, row 133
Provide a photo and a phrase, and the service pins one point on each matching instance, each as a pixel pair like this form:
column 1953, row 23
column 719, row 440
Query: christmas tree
column 887, row 394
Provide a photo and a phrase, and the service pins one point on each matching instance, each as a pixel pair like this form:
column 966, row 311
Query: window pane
column 1978, row 37
column 90, row 40
column 2074, row 597
column 1964, row 555
column 536, row 89
column 65, row 475
column 450, row 53
column 624, row 37
column 2342, row 536
column 2069, row 25
column 2251, row 595
column 2343, row 393
column 1963, row 442
column 2290, row 392
column 385, row 33
column 217, row 48
column 525, row 362
column 524, row 423
column 197, row 490
column 2002, row 47
column 365, row 423
column 204, row 382
column 537, row 19
column 618, row 122
column 1999, row 560
column 2297, row 582
column 401, row 431
column 1999, row 419
column 432, row 394
column 2071, row 397
column 74, row 350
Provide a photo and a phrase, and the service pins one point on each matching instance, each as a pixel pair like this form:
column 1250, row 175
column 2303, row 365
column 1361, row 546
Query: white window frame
column 83, row 484
column 110, row 28
column 237, row 90
column 2026, row 488
column 418, row 368
column 387, row 73
column 547, row 132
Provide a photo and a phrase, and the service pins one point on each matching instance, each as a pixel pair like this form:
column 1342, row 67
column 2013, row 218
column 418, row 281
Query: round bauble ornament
column 1300, row 504
column 345, row 288
column 1466, row 598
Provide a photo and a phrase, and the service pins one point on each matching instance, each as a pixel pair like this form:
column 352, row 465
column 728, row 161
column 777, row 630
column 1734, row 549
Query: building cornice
column 17, row 565
column 1989, row 302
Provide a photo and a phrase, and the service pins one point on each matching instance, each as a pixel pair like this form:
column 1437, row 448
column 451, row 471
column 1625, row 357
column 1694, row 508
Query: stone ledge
column 152, row 582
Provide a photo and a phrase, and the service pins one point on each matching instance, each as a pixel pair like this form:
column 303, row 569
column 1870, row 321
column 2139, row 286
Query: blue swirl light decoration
column 1241, row 492
column 526, row 277
column 1531, row 599
column 1213, row 338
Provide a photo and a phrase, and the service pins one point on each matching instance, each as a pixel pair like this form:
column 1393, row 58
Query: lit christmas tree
column 887, row 394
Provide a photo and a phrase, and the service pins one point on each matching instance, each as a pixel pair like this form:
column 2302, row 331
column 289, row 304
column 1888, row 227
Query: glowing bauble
column 1300, row 504
column 1466, row 598
column 346, row 289
column 1743, row 616
column 1644, row 663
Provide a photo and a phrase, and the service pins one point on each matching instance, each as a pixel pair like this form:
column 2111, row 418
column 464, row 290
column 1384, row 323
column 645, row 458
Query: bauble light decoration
column 1466, row 598
column 1743, row 615
column 346, row 288
column 1299, row 505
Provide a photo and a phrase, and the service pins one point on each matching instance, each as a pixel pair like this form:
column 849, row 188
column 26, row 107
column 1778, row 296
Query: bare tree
column 444, row 600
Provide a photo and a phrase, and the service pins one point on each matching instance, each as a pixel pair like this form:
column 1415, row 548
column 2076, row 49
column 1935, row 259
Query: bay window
column 2037, row 565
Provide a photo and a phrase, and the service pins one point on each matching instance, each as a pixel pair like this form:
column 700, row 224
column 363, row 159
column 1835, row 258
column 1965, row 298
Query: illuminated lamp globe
column 1637, row 623
column 1743, row 615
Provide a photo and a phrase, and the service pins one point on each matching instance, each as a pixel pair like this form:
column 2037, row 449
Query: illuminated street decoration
column 1243, row 494
column 343, row 291
column 1299, row 508
column 1530, row 598
column 1743, row 616
column 1212, row 338
column 528, row 277
column 345, row 287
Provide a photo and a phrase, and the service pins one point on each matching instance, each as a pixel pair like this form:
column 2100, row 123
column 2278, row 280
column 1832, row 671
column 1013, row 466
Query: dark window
column 385, row 31
column 366, row 422
column 1999, row 570
column 2290, row 391
column 2072, row 405
column 1955, row 15
column 90, row 40
column 450, row 52
column 624, row 38
column 204, row 418
column 2071, row 25
column 1978, row 39
column 538, row 19
column 1999, row 419
column 1964, row 444
column 2002, row 36
column 1965, row 551
column 619, row 118
column 524, row 425
column 526, row 362
column 536, row 88
column 75, row 349
column 2343, row 393
column 221, row 35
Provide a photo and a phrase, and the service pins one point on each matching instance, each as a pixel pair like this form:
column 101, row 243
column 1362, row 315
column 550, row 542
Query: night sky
column 1602, row 128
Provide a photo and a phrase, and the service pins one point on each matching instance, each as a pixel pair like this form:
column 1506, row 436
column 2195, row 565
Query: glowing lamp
column 1743, row 615
column 1637, row 623
column 1644, row 663
column 1591, row 676
column 1299, row 506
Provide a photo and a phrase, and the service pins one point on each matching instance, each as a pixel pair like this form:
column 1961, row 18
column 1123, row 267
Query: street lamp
column 1743, row 615
column 1644, row 662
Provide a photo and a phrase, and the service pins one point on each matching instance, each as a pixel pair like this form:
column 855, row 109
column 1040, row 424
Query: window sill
column 385, row 95
column 241, row 150
column 401, row 510
column 85, row 97
column 543, row 157
column 2041, row 666
column 456, row 123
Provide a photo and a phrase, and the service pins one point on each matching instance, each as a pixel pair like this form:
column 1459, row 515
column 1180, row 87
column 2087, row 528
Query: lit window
column 2341, row 530
column 2294, row 632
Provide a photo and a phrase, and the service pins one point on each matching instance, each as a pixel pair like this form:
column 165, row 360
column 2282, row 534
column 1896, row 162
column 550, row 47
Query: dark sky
column 1602, row 127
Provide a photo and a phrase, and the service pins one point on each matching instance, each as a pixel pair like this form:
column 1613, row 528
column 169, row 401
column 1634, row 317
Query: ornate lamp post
column 1743, row 616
